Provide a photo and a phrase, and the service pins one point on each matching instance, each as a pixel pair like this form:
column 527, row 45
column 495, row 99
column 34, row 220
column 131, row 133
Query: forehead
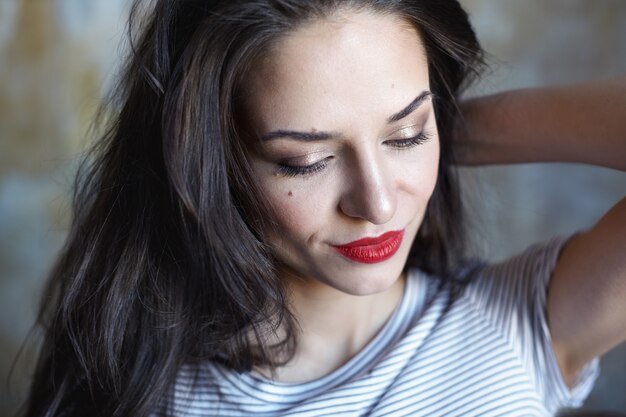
column 351, row 65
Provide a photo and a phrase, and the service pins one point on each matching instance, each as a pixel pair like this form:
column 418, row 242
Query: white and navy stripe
column 486, row 352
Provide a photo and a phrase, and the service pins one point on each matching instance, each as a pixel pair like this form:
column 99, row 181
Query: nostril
column 374, row 204
column 369, row 190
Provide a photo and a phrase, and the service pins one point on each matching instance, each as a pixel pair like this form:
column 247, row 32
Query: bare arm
column 579, row 123
column 583, row 123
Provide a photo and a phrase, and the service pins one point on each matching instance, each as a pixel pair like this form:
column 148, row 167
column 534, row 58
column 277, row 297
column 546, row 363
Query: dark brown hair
column 163, row 264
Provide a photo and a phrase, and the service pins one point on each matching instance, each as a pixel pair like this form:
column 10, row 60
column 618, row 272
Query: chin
column 365, row 280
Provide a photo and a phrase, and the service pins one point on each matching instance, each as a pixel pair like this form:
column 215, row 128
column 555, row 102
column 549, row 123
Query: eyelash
column 399, row 144
column 407, row 143
column 294, row 171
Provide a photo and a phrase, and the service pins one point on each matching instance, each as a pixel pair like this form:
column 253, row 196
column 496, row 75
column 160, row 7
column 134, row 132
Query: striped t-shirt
column 484, row 352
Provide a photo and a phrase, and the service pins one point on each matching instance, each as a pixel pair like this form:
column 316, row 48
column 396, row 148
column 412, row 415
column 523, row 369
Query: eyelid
column 303, row 160
column 407, row 132
column 418, row 122
column 304, row 170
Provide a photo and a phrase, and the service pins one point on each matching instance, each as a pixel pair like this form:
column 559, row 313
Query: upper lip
column 370, row 241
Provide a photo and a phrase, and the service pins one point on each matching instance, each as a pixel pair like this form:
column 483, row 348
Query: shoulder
column 513, row 296
column 527, row 274
column 196, row 389
column 516, row 281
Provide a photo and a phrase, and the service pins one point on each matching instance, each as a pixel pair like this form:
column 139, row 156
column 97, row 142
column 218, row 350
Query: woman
column 271, row 226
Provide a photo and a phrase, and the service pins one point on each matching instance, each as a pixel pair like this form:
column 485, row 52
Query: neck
column 334, row 326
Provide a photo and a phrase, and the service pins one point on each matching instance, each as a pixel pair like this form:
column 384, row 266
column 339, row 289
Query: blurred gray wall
column 58, row 56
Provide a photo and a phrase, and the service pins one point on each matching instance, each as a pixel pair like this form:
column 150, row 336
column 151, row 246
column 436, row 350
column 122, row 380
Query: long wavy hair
column 165, row 262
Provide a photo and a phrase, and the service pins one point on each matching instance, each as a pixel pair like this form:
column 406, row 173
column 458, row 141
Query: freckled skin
column 345, row 75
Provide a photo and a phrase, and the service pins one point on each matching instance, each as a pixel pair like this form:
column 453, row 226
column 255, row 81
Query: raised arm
column 583, row 123
column 578, row 123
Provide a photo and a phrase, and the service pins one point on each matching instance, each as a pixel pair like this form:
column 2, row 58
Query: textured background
column 58, row 56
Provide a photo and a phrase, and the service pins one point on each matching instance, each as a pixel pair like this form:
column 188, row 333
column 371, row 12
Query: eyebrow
column 315, row 136
column 302, row 136
column 411, row 107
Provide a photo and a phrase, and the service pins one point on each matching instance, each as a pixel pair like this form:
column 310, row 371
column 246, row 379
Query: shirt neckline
column 397, row 324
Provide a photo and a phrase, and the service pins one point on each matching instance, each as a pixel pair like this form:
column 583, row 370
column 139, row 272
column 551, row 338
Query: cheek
column 431, row 165
column 420, row 172
column 299, row 212
column 431, row 174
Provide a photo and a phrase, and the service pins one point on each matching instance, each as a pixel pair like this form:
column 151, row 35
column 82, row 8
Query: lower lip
column 371, row 251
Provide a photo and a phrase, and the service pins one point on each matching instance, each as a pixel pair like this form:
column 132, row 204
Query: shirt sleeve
column 513, row 294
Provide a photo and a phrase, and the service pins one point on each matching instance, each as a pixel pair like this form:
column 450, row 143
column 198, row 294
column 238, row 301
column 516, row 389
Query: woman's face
column 346, row 148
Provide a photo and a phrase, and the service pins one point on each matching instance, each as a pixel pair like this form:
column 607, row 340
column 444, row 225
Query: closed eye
column 294, row 171
column 406, row 143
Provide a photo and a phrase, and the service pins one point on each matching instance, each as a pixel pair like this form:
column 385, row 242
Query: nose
column 370, row 193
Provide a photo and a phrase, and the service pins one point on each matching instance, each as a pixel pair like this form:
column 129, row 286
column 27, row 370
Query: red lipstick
column 371, row 250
